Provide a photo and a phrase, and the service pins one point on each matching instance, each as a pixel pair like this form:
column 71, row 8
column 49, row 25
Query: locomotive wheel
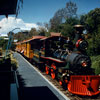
column 53, row 67
column 53, row 74
column 47, row 69
column 60, row 82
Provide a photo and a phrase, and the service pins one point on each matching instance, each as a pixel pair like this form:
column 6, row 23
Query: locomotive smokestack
column 78, row 34
column 79, row 31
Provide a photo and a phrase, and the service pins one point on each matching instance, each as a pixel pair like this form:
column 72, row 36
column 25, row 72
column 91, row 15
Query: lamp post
column 0, row 28
column 10, row 41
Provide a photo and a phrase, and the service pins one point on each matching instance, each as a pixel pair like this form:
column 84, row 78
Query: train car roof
column 51, row 37
column 42, row 38
column 33, row 38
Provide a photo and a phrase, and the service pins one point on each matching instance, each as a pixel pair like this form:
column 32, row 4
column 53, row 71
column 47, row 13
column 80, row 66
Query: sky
column 35, row 11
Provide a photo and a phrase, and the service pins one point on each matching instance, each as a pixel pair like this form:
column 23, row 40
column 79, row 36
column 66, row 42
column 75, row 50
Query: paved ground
column 32, row 85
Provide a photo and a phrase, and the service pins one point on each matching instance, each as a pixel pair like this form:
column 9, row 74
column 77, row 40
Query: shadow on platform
column 37, row 93
column 34, row 93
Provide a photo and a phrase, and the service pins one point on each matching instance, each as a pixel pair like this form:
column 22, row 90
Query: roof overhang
column 8, row 7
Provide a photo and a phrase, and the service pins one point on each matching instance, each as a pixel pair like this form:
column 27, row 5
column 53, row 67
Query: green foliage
column 92, row 25
column 42, row 31
column 72, row 21
column 5, row 63
column 83, row 19
column 67, row 30
column 91, row 21
column 20, row 36
column 96, row 63
column 94, row 45
column 14, row 63
column 13, row 46
column 33, row 32
column 1, row 52
column 90, row 47
column 3, row 44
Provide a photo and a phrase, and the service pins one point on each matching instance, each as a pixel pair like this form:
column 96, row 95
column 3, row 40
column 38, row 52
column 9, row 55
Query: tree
column 33, row 32
column 92, row 23
column 62, row 15
column 68, row 29
column 46, row 25
column 3, row 43
column 39, row 24
column 71, row 9
column 92, row 20
column 42, row 31
column 20, row 36
column 83, row 19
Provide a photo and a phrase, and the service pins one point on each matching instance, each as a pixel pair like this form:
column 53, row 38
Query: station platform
column 33, row 85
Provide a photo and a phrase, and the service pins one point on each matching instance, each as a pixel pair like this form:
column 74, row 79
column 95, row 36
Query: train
column 64, row 59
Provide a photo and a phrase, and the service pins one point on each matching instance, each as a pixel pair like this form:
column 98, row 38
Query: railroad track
column 66, row 92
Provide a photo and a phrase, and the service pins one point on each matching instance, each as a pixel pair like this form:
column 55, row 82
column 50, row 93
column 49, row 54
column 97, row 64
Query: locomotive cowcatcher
column 64, row 60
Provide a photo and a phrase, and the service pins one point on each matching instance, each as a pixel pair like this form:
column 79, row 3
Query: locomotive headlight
column 84, row 63
column 64, row 74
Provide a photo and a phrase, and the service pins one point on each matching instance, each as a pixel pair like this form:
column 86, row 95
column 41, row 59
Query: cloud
column 11, row 23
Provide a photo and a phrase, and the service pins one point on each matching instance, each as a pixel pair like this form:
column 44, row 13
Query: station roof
column 8, row 7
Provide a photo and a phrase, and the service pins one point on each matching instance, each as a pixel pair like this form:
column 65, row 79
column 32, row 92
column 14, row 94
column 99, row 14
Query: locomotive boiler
column 65, row 60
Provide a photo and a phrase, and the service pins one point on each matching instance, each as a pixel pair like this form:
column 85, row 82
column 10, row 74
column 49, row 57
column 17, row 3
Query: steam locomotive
column 64, row 60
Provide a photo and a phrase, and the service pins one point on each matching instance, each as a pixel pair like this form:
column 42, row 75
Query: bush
column 0, row 51
column 96, row 63
column 14, row 63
